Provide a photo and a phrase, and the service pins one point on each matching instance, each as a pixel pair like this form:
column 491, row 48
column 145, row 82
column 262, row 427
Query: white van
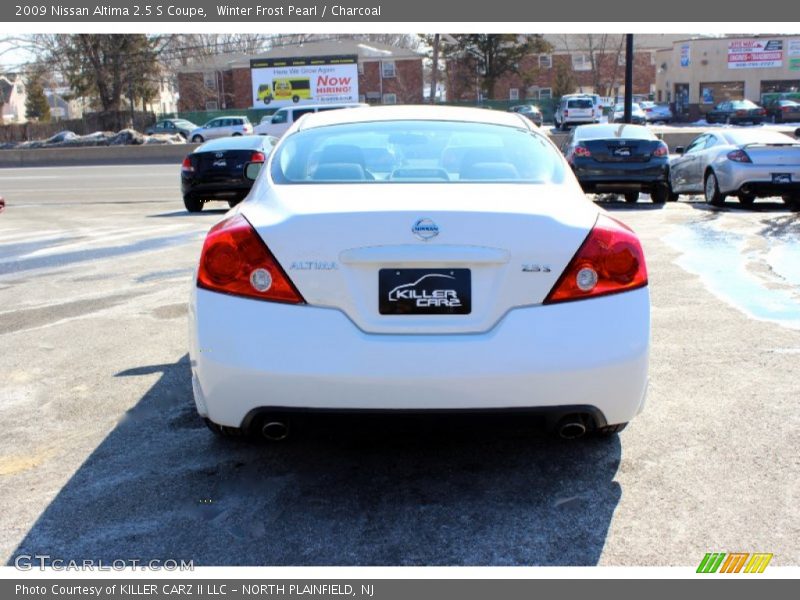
column 578, row 109
column 278, row 122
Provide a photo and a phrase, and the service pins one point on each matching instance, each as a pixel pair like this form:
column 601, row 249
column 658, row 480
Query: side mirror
column 252, row 169
column 680, row 150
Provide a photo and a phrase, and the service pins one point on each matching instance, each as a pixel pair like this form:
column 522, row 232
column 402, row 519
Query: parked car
column 737, row 112
column 638, row 116
column 783, row 111
column 215, row 170
column 283, row 118
column 530, row 111
column 749, row 164
column 619, row 158
column 222, row 127
column 576, row 110
column 656, row 113
column 340, row 286
column 172, row 126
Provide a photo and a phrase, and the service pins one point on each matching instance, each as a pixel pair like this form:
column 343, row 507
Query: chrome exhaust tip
column 275, row 431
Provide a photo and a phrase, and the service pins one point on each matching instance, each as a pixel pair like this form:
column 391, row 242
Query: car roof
column 413, row 113
column 326, row 105
column 235, row 142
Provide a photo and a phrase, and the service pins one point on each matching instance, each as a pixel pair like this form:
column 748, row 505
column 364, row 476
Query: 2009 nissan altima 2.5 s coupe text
column 418, row 259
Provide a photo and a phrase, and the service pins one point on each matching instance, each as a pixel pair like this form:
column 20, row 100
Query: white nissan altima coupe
column 416, row 259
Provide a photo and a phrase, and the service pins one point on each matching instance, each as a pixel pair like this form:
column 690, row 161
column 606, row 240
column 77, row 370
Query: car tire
column 711, row 190
column 660, row 194
column 236, row 134
column 225, row 431
column 198, row 139
column 631, row 197
column 671, row 196
column 793, row 202
column 192, row 204
column 746, row 200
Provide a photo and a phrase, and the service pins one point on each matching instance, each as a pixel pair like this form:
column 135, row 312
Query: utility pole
column 628, row 77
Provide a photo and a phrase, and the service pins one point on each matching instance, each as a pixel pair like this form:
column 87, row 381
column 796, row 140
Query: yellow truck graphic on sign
column 296, row 88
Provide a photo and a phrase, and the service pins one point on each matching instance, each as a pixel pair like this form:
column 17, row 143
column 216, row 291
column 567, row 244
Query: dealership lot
column 104, row 457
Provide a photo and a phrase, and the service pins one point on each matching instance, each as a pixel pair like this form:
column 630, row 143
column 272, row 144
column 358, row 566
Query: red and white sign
column 755, row 54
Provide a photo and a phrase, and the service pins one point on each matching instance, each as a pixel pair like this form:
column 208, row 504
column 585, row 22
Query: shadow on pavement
column 371, row 492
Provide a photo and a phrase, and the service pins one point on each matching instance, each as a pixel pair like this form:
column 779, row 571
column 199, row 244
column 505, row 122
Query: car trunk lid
column 494, row 246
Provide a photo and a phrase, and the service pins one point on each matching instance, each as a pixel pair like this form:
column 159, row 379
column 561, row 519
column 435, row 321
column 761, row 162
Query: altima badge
column 425, row 229
column 535, row 269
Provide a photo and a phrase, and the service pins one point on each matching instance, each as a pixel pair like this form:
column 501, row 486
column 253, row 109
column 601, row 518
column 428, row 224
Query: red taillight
column 582, row 151
column 739, row 156
column 661, row 150
column 186, row 165
column 610, row 260
column 236, row 261
column 258, row 157
column 787, row 108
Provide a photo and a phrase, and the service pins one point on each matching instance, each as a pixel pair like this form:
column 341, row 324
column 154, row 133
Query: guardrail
column 95, row 155
column 174, row 153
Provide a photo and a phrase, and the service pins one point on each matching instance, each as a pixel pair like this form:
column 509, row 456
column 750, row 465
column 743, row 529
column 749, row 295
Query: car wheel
column 659, row 194
column 671, row 196
column 225, row 431
column 631, row 197
column 711, row 190
column 793, row 202
column 197, row 139
column 236, row 134
column 610, row 430
column 192, row 204
column 746, row 200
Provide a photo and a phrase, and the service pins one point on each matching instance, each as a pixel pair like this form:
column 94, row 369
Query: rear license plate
column 220, row 163
column 781, row 178
column 424, row 291
column 622, row 151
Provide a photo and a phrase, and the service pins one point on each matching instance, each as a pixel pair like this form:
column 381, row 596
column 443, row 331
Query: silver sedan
column 745, row 163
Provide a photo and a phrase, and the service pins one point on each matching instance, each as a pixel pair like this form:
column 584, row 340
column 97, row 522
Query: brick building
column 594, row 62
column 386, row 75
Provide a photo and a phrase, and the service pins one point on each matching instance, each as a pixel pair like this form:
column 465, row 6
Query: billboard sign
column 755, row 54
column 280, row 82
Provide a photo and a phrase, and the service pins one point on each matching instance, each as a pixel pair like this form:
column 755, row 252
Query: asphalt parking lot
column 102, row 455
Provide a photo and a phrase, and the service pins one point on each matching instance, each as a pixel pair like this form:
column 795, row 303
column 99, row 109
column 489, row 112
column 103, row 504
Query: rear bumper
column 248, row 355
column 757, row 179
column 222, row 190
column 623, row 176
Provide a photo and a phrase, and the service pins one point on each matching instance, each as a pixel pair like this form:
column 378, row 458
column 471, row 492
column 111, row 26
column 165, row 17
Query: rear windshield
column 414, row 152
column 617, row 130
column 758, row 136
column 580, row 103
column 743, row 104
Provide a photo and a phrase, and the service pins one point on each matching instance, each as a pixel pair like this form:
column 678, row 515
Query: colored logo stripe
column 734, row 562
column 711, row 562
column 758, row 562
